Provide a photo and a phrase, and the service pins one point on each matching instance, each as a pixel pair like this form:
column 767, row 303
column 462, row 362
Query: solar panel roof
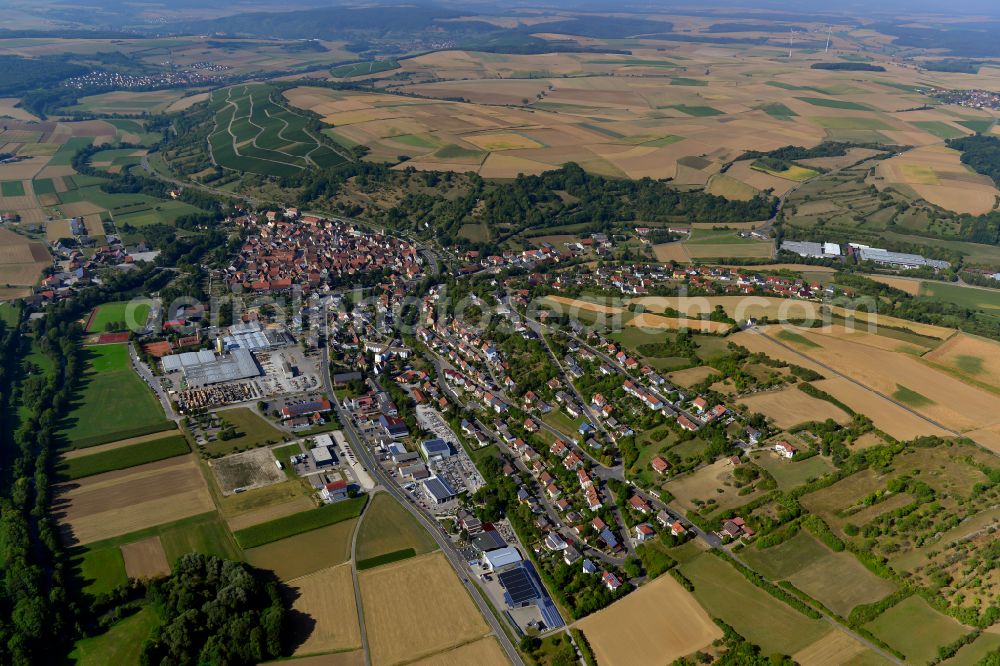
column 517, row 583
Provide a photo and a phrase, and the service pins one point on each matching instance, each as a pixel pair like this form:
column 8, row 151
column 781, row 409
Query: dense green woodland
column 980, row 152
column 535, row 202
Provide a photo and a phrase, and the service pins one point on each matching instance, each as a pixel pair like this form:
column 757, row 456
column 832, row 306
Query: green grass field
column 979, row 126
column 253, row 431
column 790, row 474
column 793, row 172
column 910, row 397
column 131, row 315
column 64, row 156
column 897, row 627
column 112, row 402
column 282, row 528
column 755, row 614
column 971, row 654
column 387, row 558
column 12, row 188
column 851, row 123
column 388, row 528
column 939, row 129
column 683, row 81
column 697, row 111
column 778, row 110
column 125, row 457
column 100, row 565
column 121, row 644
column 795, row 338
column 835, row 103
column 43, row 186
column 974, row 298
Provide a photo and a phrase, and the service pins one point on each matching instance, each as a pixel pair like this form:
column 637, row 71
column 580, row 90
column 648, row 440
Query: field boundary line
column 358, row 603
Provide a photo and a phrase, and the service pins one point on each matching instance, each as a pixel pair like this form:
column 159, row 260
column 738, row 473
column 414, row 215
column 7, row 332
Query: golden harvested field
column 988, row 437
column 739, row 308
column 8, row 108
column 834, row 649
column 864, row 337
column 928, row 330
column 114, row 503
column 705, row 483
column 187, row 102
column 946, row 400
column 676, row 252
column 885, row 414
column 305, row 553
column 970, row 357
column 655, row 625
column 574, row 304
column 416, row 608
column 327, row 597
column 657, row 322
column 937, row 175
column 502, row 141
column 910, row 285
column 484, row 652
column 145, row 559
column 761, row 250
column 691, row 376
column 790, row 406
column 270, row 512
column 21, row 259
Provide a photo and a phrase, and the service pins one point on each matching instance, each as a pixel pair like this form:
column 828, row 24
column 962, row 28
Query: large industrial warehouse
column 204, row 368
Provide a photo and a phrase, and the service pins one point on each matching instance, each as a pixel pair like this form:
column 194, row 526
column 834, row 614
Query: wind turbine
column 829, row 35
column 791, row 41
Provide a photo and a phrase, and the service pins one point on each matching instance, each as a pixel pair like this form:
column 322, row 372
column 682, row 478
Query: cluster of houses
column 286, row 250
column 75, row 269
column 643, row 279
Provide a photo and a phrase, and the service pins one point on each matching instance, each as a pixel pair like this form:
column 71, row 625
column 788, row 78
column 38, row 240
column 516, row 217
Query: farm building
column 439, row 490
column 896, row 259
column 436, row 449
column 204, row 368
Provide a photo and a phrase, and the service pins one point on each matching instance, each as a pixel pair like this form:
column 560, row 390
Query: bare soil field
column 106, row 505
column 657, row 624
column 145, row 559
column 790, row 406
column 653, row 321
column 327, row 597
column 484, row 652
column 416, row 608
column 250, row 469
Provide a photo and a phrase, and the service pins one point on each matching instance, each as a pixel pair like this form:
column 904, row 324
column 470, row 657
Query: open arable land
column 91, row 509
column 662, row 621
column 873, row 542
column 425, row 591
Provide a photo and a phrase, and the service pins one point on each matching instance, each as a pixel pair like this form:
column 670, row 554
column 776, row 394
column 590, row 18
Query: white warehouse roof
column 501, row 557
